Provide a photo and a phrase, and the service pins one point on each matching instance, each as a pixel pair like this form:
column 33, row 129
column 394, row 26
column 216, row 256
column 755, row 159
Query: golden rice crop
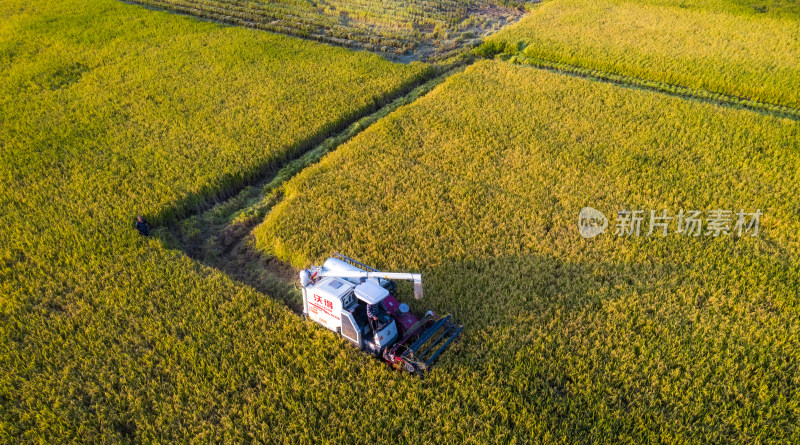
column 774, row 8
column 109, row 110
column 479, row 185
column 750, row 56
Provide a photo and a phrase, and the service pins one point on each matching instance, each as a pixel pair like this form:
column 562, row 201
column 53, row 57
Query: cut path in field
column 220, row 235
column 648, row 85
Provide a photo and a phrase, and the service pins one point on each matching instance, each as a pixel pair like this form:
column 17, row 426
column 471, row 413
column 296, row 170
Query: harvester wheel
column 408, row 367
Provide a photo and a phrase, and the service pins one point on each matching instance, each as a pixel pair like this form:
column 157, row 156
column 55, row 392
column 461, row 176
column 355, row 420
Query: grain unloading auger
column 340, row 294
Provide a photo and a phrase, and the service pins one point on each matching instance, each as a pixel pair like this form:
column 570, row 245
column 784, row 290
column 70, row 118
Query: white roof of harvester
column 334, row 286
column 371, row 292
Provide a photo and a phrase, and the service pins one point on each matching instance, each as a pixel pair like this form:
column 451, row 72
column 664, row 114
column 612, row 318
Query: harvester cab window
column 348, row 300
column 360, row 314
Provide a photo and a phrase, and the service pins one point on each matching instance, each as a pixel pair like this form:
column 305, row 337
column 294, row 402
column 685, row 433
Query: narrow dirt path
column 220, row 236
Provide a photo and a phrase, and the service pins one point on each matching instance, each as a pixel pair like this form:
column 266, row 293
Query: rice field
column 617, row 338
column 109, row 110
column 712, row 46
column 383, row 26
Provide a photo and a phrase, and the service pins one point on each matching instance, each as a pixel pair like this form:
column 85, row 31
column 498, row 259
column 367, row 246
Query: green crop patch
column 417, row 28
column 62, row 76
column 620, row 337
column 717, row 46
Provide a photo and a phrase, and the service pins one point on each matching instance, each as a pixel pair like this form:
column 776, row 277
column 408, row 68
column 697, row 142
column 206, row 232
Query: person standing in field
column 142, row 226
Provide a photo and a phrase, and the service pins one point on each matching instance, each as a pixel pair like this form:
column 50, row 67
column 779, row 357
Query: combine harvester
column 336, row 295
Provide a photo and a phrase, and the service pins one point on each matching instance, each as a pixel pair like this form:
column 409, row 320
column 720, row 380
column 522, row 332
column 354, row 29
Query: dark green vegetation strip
column 478, row 185
column 274, row 188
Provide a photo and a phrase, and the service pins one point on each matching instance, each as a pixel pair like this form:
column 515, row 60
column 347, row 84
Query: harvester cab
column 337, row 294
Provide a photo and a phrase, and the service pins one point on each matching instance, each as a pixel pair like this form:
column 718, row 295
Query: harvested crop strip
column 429, row 27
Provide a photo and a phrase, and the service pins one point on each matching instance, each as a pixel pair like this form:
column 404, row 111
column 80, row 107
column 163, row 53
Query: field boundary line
column 655, row 86
column 216, row 193
column 220, row 235
column 274, row 188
